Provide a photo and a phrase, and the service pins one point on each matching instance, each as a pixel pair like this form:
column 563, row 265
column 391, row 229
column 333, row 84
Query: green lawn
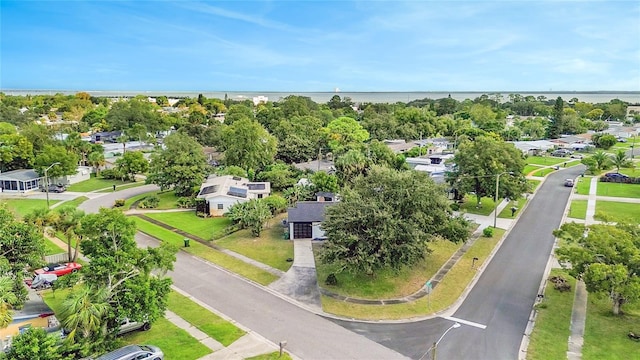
column 187, row 221
column 226, row 261
column 578, row 209
column 506, row 212
column 445, row 294
column 174, row 342
column 51, row 249
column 618, row 210
column 533, row 184
column 95, row 183
column 21, row 207
column 387, row 283
column 605, row 335
column 470, row 205
column 209, row 323
column 618, row 190
column 552, row 328
column 168, row 199
column 270, row 248
column 635, row 172
column 543, row 160
column 529, row 169
column 583, row 185
column 123, row 187
column 271, row 356
column 543, row 172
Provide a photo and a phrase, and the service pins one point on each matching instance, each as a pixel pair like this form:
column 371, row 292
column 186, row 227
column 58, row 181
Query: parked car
column 568, row 182
column 42, row 281
column 126, row 326
column 59, row 269
column 561, row 153
column 131, row 352
column 56, row 188
column 615, row 176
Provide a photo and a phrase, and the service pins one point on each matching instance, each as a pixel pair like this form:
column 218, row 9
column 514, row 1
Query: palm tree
column 123, row 140
column 84, row 313
column 41, row 218
column 96, row 159
column 620, row 160
column 601, row 158
column 7, row 297
column 69, row 224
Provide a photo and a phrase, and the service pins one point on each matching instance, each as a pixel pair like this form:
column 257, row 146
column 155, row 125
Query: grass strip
column 578, row 209
column 123, row 187
column 209, row 323
column 226, row 261
column 189, row 222
column 271, row 356
column 618, row 211
column 22, row 207
column 50, row 248
column 445, row 294
column 506, row 212
column 553, row 321
column 618, row 190
column 583, row 185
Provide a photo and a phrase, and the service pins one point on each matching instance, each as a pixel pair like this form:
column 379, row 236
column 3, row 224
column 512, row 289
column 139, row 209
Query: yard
column 168, row 200
column 470, row 205
column 618, row 211
column 543, row 172
column 553, row 321
column 226, row 261
column 187, row 221
column 583, row 185
column 445, row 294
column 21, row 207
column 528, row 169
column 618, row 190
column 605, row 335
column 544, row 160
column 270, row 248
column 95, row 183
column 506, row 212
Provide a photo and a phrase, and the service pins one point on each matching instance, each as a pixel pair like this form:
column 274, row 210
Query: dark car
column 55, row 188
column 615, row 176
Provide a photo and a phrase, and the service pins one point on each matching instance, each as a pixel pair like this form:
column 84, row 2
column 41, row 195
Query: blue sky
column 321, row 45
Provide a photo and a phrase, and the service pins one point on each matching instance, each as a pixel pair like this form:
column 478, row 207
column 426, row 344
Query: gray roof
column 308, row 211
column 20, row 175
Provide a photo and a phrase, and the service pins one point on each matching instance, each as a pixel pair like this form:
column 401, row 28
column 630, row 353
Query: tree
column 34, row 344
column 132, row 163
column 344, row 134
column 604, row 141
column 7, row 297
column 84, row 313
column 479, row 162
column 96, row 160
column 386, row 220
column 351, row 165
column 248, row 145
column 251, row 214
column 16, row 152
column 67, row 222
column 605, row 257
column 556, row 126
column 68, row 162
column 597, row 162
column 620, row 160
column 280, row 176
column 181, row 165
column 130, row 280
column 323, row 182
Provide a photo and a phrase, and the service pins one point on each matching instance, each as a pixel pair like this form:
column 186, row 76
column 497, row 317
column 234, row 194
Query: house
column 83, row 173
column 222, row 192
column 105, row 137
column 325, row 165
column 534, row 147
column 305, row 219
column 35, row 313
column 400, row 146
column 20, row 181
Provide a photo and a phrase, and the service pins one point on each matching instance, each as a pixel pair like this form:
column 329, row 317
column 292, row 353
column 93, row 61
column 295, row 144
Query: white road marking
column 466, row 322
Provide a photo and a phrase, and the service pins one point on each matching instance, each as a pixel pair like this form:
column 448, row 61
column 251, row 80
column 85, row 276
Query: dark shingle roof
column 308, row 211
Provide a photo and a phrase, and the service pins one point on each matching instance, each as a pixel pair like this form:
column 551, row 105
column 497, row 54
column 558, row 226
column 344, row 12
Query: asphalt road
column 503, row 297
column 308, row 336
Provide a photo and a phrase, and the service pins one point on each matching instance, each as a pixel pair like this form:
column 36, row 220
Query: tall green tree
column 386, row 220
column 556, row 126
column 34, row 344
column 605, row 257
column 132, row 163
column 248, row 145
column 68, row 162
column 181, row 165
column 16, row 152
column 344, row 134
column 620, row 160
column 478, row 164
column 96, row 160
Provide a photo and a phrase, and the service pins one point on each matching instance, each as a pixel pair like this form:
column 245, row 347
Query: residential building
column 222, row 192
column 20, row 181
column 305, row 219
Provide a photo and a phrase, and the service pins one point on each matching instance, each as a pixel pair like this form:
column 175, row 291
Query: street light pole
column 46, row 180
column 495, row 211
column 435, row 344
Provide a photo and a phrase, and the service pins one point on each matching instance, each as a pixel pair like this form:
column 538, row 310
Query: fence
column 56, row 258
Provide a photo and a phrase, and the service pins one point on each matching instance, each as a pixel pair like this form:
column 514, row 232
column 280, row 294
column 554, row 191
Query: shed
column 305, row 219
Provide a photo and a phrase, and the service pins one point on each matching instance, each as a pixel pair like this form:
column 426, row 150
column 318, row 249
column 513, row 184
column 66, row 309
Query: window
column 259, row 196
column 220, row 206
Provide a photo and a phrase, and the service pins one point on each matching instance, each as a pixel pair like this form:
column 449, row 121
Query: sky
column 309, row 46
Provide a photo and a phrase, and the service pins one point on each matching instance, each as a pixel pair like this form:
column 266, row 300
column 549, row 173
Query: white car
column 568, row 183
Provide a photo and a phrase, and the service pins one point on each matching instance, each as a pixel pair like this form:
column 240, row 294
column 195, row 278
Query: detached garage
column 305, row 219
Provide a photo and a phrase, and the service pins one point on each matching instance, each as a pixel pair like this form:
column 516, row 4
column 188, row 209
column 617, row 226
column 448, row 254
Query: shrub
column 150, row 202
column 186, row 202
column 109, row 174
column 119, row 203
column 277, row 204
column 488, row 231
column 331, row 280
column 455, row 206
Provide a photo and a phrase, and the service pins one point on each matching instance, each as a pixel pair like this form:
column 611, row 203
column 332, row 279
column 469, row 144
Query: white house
column 83, row 173
column 222, row 192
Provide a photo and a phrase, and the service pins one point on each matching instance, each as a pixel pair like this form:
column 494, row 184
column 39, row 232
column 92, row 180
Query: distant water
column 373, row 97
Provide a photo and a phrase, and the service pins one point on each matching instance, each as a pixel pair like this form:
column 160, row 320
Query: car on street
column 130, row 352
column 568, row 182
column 561, row 153
column 59, row 269
column 54, row 188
